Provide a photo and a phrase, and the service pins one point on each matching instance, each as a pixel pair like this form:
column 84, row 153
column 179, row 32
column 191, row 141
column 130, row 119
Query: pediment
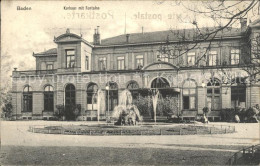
column 160, row 66
column 67, row 37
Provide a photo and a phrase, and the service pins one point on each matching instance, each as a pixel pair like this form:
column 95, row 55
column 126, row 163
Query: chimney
column 97, row 29
column 127, row 38
column 96, row 37
column 243, row 23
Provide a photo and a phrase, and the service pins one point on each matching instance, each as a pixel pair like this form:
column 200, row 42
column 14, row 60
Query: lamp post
column 203, row 84
column 107, row 88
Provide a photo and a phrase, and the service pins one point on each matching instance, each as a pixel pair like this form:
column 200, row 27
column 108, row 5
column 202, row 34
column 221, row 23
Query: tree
column 6, row 104
column 224, row 17
column 5, row 85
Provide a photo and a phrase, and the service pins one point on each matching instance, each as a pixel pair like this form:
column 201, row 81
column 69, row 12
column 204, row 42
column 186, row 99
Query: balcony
column 33, row 72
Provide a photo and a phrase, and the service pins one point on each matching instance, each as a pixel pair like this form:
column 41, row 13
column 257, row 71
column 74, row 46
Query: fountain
column 126, row 113
column 155, row 100
column 101, row 105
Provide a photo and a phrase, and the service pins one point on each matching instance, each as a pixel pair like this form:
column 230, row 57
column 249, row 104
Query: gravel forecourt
column 21, row 147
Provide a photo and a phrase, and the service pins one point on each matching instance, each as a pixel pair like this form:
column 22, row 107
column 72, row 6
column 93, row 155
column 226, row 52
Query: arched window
column 112, row 95
column 189, row 94
column 238, row 92
column 160, row 82
column 27, row 99
column 213, row 94
column 133, row 87
column 91, row 91
column 48, row 98
column 70, row 95
column 112, row 86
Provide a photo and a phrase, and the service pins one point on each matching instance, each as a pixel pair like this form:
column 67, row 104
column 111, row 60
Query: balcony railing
column 35, row 72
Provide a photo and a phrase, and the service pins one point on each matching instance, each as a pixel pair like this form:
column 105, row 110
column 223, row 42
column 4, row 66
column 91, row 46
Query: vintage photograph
column 130, row 82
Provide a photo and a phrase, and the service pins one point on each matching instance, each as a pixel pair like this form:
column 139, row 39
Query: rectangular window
column 192, row 102
column 209, row 102
column 189, row 98
column 27, row 102
column 186, row 102
column 70, row 57
column 89, row 98
column 48, row 101
column 191, row 59
column 49, row 66
column 102, row 63
column 87, row 62
column 235, row 57
column 212, row 60
column 217, row 102
column 120, row 63
column 164, row 57
column 213, row 98
column 238, row 96
column 139, row 61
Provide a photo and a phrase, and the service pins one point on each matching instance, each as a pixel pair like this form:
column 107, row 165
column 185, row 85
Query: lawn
column 71, row 155
column 21, row 147
column 131, row 130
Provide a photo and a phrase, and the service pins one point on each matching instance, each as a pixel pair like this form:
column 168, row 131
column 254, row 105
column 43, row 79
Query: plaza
column 34, row 148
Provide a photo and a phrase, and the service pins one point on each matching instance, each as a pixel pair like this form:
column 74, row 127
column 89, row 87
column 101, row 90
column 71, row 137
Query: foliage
column 164, row 105
column 77, row 110
column 252, row 111
column 245, row 115
column 71, row 112
column 6, row 104
column 60, row 113
column 144, row 105
column 167, row 105
column 205, row 110
column 227, row 114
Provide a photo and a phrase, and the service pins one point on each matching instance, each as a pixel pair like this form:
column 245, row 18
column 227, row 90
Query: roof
column 256, row 23
column 49, row 52
column 162, row 36
column 149, row 37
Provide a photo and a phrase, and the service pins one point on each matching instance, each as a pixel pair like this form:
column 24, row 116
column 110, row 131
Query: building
column 72, row 73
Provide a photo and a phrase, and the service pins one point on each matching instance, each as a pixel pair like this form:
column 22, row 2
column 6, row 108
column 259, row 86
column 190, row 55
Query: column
column 226, row 96
column 201, row 99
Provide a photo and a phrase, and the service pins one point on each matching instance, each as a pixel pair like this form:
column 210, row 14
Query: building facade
column 194, row 73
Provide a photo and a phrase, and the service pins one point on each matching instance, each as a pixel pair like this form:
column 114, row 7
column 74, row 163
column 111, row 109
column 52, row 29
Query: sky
column 26, row 31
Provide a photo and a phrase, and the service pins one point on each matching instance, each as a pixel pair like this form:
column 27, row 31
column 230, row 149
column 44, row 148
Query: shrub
column 227, row 114
column 252, row 111
column 245, row 115
column 164, row 105
column 167, row 105
column 144, row 105
column 77, row 110
column 60, row 113
column 251, row 114
column 205, row 110
column 71, row 112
